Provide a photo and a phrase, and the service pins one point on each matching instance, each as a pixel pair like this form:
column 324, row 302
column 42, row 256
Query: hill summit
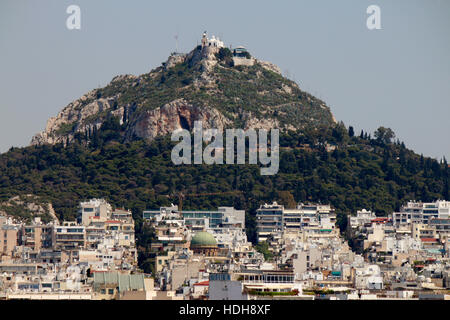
column 223, row 87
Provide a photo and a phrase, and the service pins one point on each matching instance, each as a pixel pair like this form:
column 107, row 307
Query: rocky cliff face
column 200, row 85
column 174, row 115
column 74, row 118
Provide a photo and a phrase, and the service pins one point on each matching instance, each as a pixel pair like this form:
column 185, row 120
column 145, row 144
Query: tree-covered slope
column 360, row 173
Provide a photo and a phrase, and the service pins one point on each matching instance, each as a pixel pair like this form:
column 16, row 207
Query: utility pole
column 176, row 43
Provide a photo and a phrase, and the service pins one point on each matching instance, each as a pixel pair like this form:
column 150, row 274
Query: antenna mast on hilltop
column 176, row 42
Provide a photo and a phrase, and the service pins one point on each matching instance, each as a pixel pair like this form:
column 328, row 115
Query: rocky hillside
column 207, row 84
column 27, row 206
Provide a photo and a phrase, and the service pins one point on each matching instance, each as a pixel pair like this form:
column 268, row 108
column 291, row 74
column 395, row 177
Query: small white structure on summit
column 240, row 54
column 213, row 42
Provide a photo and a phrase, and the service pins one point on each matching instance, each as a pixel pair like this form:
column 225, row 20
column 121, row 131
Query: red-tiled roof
column 203, row 283
column 428, row 240
column 380, row 220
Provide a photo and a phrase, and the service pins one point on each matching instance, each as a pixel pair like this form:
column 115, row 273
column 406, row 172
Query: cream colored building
column 8, row 239
column 94, row 209
column 421, row 230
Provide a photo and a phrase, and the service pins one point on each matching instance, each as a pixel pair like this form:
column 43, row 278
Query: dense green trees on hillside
column 358, row 173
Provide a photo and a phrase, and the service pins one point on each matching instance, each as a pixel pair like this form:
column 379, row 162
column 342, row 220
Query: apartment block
column 70, row 236
column 274, row 220
column 94, row 209
column 8, row 239
column 199, row 220
column 36, row 236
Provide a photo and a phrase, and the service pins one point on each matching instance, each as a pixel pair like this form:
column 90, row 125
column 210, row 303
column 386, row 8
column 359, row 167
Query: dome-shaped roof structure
column 203, row 239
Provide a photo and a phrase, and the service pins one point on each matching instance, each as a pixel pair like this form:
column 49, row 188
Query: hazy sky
column 397, row 77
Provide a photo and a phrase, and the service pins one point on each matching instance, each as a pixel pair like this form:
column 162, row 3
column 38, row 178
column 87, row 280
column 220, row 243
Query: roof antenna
column 176, row 42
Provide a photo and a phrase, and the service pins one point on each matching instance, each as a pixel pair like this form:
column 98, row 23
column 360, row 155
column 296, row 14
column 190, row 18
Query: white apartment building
column 198, row 220
column 369, row 277
column 269, row 219
column 70, row 236
column 363, row 217
column 274, row 220
column 421, row 212
column 94, row 209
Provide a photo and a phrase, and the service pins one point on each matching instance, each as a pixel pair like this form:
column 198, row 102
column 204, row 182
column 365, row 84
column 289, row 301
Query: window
column 110, row 291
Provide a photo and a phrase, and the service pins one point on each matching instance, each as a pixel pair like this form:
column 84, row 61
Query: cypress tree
column 351, row 132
